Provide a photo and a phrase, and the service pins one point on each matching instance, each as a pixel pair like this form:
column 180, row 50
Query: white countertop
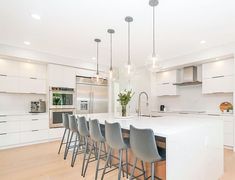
column 162, row 126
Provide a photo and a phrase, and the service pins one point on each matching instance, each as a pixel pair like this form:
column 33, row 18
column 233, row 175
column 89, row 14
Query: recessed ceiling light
column 35, row 16
column 27, row 43
column 202, row 42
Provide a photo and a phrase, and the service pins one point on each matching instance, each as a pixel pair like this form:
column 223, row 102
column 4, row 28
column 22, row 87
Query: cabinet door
column 9, row 84
column 9, row 126
column 10, row 68
column 32, row 70
column 34, row 124
column 34, row 135
column 166, row 89
column 9, row 139
column 32, row 85
column 217, row 85
column 218, row 68
column 167, row 77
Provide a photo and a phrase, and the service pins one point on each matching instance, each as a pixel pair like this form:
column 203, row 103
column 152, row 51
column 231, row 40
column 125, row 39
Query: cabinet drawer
column 34, row 135
column 9, row 139
column 56, row 133
column 34, row 124
column 9, row 126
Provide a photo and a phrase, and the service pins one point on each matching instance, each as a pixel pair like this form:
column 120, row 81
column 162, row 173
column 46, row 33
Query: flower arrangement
column 124, row 99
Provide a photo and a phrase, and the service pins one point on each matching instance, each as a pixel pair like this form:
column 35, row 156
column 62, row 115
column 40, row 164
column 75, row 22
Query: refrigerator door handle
column 90, row 103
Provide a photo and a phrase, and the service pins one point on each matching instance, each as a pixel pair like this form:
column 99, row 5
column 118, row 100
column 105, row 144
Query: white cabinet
column 32, row 70
column 9, row 84
column 10, row 68
column 61, row 76
column 218, row 84
column 21, row 77
column 164, row 85
column 218, row 77
column 228, row 131
column 218, row 68
column 56, row 133
column 21, row 129
column 32, row 85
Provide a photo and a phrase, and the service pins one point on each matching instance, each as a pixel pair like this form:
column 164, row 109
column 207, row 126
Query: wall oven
column 61, row 97
column 56, row 120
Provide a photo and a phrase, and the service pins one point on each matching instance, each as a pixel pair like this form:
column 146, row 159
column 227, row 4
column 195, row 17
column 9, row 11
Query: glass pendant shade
column 129, row 19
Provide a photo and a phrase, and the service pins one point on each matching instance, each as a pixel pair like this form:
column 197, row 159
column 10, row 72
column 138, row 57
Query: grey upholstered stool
column 65, row 118
column 144, row 148
column 74, row 131
column 96, row 138
column 84, row 134
column 114, row 139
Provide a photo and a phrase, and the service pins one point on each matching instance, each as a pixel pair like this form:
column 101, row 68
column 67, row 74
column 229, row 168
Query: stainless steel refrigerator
column 91, row 97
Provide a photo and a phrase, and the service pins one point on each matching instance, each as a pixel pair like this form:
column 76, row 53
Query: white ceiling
column 67, row 28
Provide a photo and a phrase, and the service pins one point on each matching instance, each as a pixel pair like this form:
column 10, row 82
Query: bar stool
column 143, row 146
column 74, row 129
column 65, row 118
column 96, row 138
column 114, row 139
column 84, row 134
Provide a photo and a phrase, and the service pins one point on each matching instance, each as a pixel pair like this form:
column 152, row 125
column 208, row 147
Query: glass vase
column 123, row 110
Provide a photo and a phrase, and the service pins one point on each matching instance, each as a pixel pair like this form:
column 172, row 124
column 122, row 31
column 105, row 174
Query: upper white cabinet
column 32, row 70
column 22, row 77
column 9, row 68
column 218, row 77
column 61, row 76
column 164, row 83
column 218, row 68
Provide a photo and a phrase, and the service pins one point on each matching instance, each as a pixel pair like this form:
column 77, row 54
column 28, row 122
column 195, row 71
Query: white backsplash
column 192, row 99
column 10, row 102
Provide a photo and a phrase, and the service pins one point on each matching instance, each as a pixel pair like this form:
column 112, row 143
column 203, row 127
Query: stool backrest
column 65, row 118
column 73, row 123
column 82, row 126
column 113, row 135
column 143, row 144
column 95, row 132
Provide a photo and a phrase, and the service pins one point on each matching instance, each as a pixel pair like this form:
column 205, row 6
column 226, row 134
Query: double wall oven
column 61, row 101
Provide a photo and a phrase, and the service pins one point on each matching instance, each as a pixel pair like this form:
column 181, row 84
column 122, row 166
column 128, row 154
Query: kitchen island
column 194, row 146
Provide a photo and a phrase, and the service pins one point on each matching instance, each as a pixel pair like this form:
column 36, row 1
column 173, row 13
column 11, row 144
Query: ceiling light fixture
column 111, row 32
column 36, row 16
column 202, row 42
column 97, row 60
column 153, row 4
column 129, row 19
column 27, row 43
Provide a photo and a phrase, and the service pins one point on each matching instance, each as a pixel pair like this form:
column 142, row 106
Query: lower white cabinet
column 56, row 133
column 7, row 139
column 228, row 131
column 33, row 135
column 224, row 84
column 21, row 129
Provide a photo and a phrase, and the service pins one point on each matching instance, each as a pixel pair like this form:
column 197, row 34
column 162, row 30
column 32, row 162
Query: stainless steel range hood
column 189, row 76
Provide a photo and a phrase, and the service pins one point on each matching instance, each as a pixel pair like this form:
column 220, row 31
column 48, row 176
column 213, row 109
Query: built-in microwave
column 62, row 97
column 56, row 120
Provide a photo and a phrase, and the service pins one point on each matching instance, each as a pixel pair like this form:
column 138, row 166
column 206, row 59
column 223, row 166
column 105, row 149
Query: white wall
column 17, row 103
column 191, row 98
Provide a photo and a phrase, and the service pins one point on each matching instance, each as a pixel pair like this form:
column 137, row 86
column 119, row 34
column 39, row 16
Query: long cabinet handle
column 35, row 119
column 3, row 75
column 34, row 130
column 165, row 83
column 33, row 78
column 3, row 134
column 217, row 76
column 3, row 115
column 3, row 121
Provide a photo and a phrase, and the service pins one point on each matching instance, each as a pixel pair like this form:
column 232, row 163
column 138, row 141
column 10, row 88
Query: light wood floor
column 41, row 162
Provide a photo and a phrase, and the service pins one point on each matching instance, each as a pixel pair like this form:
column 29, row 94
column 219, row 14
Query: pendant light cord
column 129, row 56
column 154, row 38
column 97, row 59
column 111, row 52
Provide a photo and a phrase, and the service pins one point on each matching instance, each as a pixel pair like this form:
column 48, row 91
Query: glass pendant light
column 97, row 78
column 129, row 19
column 153, row 4
column 111, row 32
